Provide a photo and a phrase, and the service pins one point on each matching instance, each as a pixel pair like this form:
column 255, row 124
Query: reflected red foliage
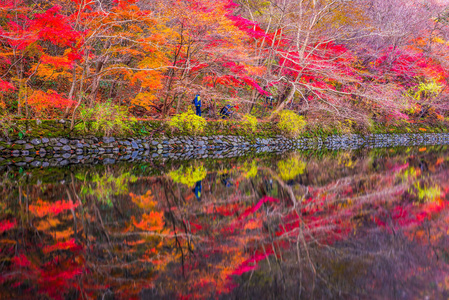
column 7, row 225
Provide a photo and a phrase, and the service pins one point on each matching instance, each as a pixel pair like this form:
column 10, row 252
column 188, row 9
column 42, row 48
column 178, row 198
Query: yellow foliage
column 439, row 40
column 426, row 90
column 346, row 160
column 45, row 225
column 188, row 176
column 351, row 15
column 290, row 168
column 53, row 224
column 188, row 122
column 47, row 72
column 249, row 171
column 291, row 123
column 427, row 193
column 64, row 234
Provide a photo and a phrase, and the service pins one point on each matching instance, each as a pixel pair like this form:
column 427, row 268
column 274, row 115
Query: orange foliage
column 150, row 222
column 41, row 208
column 48, row 104
column 145, row 202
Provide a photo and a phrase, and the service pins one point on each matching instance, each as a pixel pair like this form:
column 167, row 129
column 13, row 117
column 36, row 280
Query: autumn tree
column 208, row 52
column 39, row 45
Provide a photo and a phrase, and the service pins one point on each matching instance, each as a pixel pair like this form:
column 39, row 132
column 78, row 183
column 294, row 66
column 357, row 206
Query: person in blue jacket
column 269, row 101
column 226, row 111
column 226, row 181
column 197, row 190
column 197, row 103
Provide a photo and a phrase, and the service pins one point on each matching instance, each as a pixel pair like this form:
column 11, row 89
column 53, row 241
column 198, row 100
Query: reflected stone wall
column 51, row 152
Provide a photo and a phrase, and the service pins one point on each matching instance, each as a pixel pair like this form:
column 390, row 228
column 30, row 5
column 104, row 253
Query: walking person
column 197, row 103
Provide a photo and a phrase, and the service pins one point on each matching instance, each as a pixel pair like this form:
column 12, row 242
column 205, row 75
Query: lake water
column 366, row 224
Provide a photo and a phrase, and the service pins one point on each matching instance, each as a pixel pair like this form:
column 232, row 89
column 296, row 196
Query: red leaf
column 7, row 225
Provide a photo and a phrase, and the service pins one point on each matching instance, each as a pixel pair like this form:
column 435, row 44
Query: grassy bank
column 18, row 129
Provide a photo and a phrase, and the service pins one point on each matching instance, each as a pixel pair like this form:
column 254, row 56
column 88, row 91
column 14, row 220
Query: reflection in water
column 340, row 225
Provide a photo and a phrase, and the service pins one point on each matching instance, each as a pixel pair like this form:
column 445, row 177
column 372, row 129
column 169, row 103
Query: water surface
column 367, row 224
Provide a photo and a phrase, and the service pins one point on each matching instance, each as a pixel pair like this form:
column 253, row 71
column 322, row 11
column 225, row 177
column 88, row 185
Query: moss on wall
column 159, row 128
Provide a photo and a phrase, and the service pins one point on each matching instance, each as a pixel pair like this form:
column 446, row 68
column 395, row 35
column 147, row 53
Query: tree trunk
column 72, row 90
column 283, row 103
column 96, row 84
column 80, row 96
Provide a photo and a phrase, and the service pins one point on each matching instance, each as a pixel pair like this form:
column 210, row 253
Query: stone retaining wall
column 50, row 152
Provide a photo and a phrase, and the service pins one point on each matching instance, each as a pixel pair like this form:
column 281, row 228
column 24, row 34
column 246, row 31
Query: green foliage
column 291, row 123
column 106, row 119
column 7, row 124
column 107, row 186
column 188, row 176
column 249, row 123
column 188, row 123
column 290, row 168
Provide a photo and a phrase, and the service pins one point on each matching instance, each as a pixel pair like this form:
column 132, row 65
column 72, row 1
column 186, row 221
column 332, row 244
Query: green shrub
column 106, row 119
column 7, row 124
column 249, row 123
column 188, row 123
column 291, row 123
column 103, row 188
